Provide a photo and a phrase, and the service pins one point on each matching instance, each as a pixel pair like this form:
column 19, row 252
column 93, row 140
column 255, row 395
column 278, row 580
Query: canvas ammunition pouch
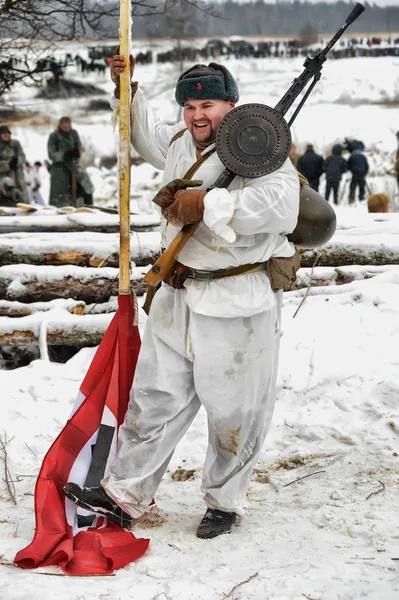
column 282, row 271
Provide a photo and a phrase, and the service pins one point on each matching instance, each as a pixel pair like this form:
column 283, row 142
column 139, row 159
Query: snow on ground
column 321, row 518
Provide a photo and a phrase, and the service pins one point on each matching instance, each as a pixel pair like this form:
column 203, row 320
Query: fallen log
column 83, row 249
column 349, row 250
column 66, row 330
column 20, row 309
column 30, row 283
column 326, row 276
column 100, row 308
column 75, row 222
column 368, row 289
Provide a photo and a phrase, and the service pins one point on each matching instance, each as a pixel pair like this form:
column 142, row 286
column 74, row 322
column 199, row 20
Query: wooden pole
column 74, row 183
column 124, row 150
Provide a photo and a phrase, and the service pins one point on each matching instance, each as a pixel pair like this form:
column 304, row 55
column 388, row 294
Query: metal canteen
column 253, row 140
column 316, row 220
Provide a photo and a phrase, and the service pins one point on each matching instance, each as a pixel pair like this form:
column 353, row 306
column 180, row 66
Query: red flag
column 65, row 535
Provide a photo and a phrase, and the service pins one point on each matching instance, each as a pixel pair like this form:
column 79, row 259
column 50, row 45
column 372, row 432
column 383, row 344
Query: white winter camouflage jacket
column 245, row 223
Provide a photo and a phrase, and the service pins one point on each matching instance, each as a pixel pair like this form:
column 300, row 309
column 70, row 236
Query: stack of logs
column 59, row 273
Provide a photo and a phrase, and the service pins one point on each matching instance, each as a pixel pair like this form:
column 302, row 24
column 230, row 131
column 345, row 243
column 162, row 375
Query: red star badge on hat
column 198, row 86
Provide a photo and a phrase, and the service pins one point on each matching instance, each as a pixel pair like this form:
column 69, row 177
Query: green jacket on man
column 61, row 146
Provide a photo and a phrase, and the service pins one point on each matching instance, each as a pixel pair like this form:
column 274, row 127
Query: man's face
column 5, row 136
column 203, row 117
column 65, row 127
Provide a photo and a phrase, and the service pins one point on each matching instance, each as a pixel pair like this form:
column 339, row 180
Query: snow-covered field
column 322, row 520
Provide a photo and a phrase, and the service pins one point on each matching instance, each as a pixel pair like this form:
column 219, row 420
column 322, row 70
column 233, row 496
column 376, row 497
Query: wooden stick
column 378, row 491
column 8, row 479
column 74, row 184
column 308, row 288
column 304, row 477
column 239, row 584
column 124, row 150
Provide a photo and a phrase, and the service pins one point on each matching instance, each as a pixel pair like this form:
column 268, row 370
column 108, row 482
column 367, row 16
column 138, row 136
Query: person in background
column 310, row 165
column 37, row 184
column 334, row 166
column 378, row 203
column 70, row 184
column 9, row 193
column 12, row 160
column 28, row 177
column 359, row 167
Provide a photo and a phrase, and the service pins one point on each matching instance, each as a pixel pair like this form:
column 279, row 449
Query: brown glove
column 166, row 195
column 188, row 207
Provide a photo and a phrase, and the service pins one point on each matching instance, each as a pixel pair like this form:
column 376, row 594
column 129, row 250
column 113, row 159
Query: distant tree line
column 282, row 17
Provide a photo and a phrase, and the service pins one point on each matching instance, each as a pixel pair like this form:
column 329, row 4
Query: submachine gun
column 253, row 140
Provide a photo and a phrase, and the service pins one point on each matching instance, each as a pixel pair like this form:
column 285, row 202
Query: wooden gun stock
column 165, row 263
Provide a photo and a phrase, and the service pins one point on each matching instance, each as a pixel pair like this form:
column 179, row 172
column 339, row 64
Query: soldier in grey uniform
column 64, row 149
column 12, row 160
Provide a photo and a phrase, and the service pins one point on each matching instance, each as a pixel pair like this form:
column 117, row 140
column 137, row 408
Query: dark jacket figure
column 9, row 193
column 12, row 160
column 310, row 165
column 70, row 184
column 359, row 167
column 334, row 166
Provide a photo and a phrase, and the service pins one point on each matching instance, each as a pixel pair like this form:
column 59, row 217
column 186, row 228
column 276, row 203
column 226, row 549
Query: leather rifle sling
column 165, row 263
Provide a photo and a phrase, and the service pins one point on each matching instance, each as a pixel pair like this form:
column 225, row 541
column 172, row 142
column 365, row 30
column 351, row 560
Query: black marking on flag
column 85, row 520
column 100, row 455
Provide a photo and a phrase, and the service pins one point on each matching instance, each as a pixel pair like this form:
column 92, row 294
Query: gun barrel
column 313, row 66
column 356, row 12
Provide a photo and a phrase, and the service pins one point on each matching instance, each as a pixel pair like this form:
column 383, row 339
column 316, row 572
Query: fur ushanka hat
column 201, row 82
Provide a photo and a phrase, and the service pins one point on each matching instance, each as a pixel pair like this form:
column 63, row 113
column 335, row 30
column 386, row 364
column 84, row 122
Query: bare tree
column 29, row 30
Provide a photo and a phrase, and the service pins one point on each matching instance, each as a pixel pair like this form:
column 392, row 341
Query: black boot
column 97, row 500
column 215, row 522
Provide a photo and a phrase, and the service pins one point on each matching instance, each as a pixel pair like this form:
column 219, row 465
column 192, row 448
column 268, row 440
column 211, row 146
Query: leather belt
column 200, row 275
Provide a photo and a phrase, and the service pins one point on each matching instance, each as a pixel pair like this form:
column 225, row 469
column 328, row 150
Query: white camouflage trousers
column 229, row 365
